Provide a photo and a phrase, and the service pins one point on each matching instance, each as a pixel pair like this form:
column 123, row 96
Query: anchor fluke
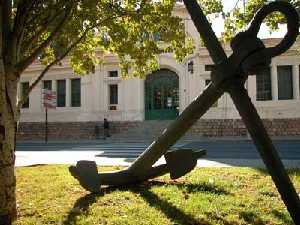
column 86, row 173
column 182, row 161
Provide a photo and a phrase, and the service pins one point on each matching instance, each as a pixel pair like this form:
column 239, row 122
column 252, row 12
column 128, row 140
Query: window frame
column 113, row 97
column 58, row 95
column 190, row 66
column 44, row 86
column 111, row 72
column 26, row 104
column 282, row 90
column 76, row 93
column 264, row 85
column 209, row 67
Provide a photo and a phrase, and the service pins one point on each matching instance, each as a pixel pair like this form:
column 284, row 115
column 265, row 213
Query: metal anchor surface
column 249, row 56
column 178, row 163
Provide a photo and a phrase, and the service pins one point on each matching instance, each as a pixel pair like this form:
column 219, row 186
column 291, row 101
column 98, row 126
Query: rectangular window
column 75, row 93
column 156, row 36
column 210, row 67
column 24, row 92
column 191, row 67
column 264, row 85
column 61, row 93
column 113, row 94
column 113, row 73
column 47, row 84
column 285, row 82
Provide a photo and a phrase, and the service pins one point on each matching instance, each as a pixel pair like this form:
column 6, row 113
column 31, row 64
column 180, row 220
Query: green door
column 161, row 95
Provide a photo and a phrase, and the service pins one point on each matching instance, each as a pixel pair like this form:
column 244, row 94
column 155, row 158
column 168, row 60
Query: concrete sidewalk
column 28, row 158
column 112, row 140
column 221, row 152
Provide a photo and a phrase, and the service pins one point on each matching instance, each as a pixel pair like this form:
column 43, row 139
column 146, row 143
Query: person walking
column 106, row 129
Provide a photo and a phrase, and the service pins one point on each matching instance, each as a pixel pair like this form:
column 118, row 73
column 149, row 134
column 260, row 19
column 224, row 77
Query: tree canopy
column 240, row 17
column 49, row 30
column 134, row 30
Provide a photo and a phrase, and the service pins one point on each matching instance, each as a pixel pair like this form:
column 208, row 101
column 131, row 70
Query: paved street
column 219, row 152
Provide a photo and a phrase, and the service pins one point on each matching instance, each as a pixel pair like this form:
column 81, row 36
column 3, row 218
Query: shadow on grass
column 251, row 218
column 36, row 165
column 175, row 214
column 191, row 187
column 80, row 207
column 282, row 217
column 216, row 217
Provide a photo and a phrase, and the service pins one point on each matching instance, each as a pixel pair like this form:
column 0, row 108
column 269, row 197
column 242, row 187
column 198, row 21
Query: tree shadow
column 80, row 207
column 190, row 187
column 251, row 218
column 281, row 216
column 174, row 213
column 218, row 218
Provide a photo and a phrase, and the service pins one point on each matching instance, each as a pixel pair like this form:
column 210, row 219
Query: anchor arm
column 176, row 130
column 124, row 177
column 86, row 172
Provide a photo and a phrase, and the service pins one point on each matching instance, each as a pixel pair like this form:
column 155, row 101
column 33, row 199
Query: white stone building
column 164, row 94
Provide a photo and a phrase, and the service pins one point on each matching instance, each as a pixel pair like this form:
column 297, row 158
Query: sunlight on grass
column 219, row 196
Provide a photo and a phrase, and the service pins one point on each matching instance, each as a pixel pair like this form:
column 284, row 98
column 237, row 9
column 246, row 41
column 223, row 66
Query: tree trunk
column 8, row 123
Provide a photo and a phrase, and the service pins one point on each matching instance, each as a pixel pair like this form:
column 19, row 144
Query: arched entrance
column 162, row 95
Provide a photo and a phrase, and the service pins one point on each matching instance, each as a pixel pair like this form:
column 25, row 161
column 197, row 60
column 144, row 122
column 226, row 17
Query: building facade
column 84, row 101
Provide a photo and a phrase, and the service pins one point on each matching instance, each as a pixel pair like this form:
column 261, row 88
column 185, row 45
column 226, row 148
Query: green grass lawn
column 209, row 196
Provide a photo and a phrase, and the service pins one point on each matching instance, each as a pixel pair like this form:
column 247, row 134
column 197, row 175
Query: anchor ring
column 292, row 18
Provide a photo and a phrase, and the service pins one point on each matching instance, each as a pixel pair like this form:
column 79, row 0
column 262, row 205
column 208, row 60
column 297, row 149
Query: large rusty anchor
column 249, row 57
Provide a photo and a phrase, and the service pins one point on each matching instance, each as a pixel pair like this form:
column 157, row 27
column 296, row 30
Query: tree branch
column 46, row 69
column 18, row 28
column 21, row 66
column 43, row 28
column 23, row 9
column 1, row 32
column 6, row 25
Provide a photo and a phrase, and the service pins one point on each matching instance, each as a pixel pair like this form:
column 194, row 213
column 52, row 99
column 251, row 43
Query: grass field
column 208, row 196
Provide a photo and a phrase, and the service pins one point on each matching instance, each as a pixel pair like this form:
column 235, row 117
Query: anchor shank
column 266, row 149
column 206, row 32
column 175, row 130
column 124, row 177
